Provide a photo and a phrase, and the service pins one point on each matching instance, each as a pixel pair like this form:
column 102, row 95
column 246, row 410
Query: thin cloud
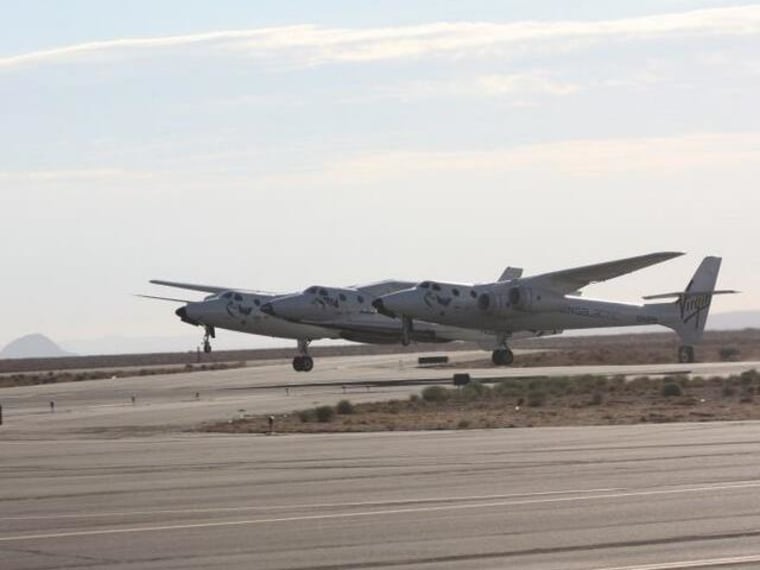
column 79, row 174
column 313, row 45
column 584, row 158
column 513, row 85
column 524, row 83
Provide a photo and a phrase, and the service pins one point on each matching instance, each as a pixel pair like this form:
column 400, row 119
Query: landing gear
column 502, row 357
column 407, row 325
column 207, row 336
column 686, row 354
column 303, row 362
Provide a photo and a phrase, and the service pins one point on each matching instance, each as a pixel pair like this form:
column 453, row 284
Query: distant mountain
column 736, row 320
column 226, row 340
column 33, row 346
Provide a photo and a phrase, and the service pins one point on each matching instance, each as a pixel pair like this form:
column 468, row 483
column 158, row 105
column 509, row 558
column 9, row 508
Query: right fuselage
column 505, row 307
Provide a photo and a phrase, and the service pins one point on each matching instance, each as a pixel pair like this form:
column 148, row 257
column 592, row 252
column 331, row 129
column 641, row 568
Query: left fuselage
column 241, row 312
column 351, row 312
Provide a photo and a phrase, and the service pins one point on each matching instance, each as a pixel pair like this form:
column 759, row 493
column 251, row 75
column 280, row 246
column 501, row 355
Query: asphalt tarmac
column 104, row 483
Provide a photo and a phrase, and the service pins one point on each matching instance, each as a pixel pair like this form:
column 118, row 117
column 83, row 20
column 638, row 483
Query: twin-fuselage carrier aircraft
column 317, row 313
column 489, row 314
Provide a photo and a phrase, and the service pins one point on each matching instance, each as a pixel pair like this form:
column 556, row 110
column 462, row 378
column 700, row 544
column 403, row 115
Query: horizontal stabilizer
column 679, row 294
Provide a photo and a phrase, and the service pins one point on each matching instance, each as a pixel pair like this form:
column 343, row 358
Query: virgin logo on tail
column 692, row 306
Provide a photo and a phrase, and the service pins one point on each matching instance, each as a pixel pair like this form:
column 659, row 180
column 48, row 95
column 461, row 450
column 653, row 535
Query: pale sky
column 272, row 145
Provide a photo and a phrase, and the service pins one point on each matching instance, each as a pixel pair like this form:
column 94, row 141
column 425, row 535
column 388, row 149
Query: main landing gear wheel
column 303, row 363
column 686, row 354
column 503, row 357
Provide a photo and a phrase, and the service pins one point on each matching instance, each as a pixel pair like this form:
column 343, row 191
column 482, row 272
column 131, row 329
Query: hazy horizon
column 230, row 340
column 275, row 145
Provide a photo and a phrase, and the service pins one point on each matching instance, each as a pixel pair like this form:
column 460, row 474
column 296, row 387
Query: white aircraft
column 350, row 310
column 355, row 319
column 552, row 301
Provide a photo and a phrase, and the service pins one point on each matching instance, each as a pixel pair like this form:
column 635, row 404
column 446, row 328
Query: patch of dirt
column 582, row 400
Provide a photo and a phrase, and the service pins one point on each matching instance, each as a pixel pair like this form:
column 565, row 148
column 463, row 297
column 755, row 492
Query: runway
column 84, row 487
column 98, row 408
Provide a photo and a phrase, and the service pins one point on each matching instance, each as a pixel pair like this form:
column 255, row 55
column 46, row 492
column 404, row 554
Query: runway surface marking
column 705, row 563
column 452, row 499
column 372, row 513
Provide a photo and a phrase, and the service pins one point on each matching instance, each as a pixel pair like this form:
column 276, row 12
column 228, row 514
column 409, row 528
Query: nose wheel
column 502, row 357
column 208, row 335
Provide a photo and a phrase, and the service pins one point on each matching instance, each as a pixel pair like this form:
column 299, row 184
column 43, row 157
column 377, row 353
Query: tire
column 307, row 363
column 503, row 357
column 686, row 354
column 298, row 363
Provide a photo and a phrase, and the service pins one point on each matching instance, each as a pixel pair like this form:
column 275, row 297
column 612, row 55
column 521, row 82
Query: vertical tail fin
column 693, row 304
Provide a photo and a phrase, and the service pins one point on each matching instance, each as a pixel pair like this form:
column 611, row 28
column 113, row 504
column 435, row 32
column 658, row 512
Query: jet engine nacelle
column 519, row 298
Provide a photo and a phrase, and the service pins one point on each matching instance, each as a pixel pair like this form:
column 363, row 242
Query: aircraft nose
column 267, row 308
column 186, row 318
column 396, row 304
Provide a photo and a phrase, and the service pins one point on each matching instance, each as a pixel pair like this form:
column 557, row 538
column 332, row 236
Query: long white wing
column 192, row 286
column 570, row 280
column 386, row 287
column 173, row 299
column 207, row 288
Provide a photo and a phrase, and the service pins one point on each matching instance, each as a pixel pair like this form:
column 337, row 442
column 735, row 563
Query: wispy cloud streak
column 313, row 45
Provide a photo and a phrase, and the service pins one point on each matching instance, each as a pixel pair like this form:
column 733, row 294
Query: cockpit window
column 256, row 302
column 436, row 287
column 425, row 285
column 323, row 292
column 342, row 297
column 238, row 297
column 360, row 299
column 227, row 295
column 473, row 294
column 311, row 290
column 455, row 292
